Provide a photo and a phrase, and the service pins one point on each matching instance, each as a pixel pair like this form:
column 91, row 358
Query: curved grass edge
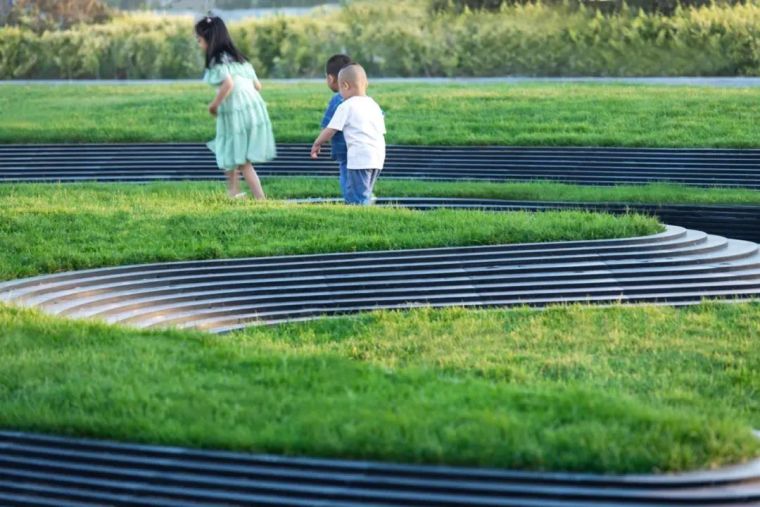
column 560, row 389
column 300, row 187
column 54, row 228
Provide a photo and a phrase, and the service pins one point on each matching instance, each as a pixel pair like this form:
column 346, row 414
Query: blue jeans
column 359, row 185
column 343, row 168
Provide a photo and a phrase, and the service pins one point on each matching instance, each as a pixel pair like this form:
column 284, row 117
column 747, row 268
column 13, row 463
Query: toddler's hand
column 315, row 149
column 212, row 109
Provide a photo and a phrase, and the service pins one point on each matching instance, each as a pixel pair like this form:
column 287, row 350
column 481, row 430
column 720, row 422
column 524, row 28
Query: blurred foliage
column 41, row 15
column 608, row 6
column 405, row 38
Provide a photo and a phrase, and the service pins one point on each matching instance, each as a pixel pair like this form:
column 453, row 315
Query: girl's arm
column 325, row 136
column 224, row 90
column 257, row 85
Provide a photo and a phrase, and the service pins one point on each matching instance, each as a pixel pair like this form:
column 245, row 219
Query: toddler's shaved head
column 354, row 75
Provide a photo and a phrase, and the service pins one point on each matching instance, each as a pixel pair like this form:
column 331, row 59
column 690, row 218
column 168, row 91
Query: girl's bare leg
column 233, row 183
column 249, row 173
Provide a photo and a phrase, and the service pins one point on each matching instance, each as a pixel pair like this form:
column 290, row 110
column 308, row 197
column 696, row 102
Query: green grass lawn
column 620, row 389
column 613, row 390
column 634, row 389
column 49, row 228
column 655, row 193
column 449, row 114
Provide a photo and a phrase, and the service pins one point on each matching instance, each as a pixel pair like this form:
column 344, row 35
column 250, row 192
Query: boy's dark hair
column 336, row 63
column 214, row 32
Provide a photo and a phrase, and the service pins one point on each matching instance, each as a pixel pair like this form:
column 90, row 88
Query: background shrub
column 407, row 39
column 41, row 15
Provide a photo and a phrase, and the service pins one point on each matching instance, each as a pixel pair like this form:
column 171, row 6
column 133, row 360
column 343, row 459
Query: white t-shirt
column 363, row 126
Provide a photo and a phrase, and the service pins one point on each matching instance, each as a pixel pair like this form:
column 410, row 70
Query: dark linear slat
column 601, row 176
column 406, row 148
column 402, row 156
column 402, row 159
column 180, row 456
column 8, row 499
column 123, row 474
column 601, row 166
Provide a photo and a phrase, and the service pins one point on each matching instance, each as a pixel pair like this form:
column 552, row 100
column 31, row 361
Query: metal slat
column 91, row 471
column 601, row 166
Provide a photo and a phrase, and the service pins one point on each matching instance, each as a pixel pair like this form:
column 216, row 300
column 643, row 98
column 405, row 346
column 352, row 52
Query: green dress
column 243, row 130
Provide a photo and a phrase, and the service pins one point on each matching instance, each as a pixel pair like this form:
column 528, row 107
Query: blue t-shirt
column 339, row 148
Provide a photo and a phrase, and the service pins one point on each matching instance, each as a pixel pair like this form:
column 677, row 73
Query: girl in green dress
column 243, row 130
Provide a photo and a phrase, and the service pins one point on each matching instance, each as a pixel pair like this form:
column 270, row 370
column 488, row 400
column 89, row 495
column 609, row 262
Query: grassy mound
column 50, row 228
column 634, row 389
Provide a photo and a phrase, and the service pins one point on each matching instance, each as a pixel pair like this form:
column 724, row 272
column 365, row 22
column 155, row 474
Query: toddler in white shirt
column 363, row 126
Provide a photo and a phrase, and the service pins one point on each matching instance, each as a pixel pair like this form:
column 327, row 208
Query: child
column 361, row 121
column 339, row 152
column 243, row 130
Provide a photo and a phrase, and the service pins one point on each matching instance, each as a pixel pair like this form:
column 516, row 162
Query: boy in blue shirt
column 339, row 151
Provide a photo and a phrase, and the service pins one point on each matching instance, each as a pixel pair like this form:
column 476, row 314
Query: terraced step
column 65, row 472
column 678, row 266
column 591, row 166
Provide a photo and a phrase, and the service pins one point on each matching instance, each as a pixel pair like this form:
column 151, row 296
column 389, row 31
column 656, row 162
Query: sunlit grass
column 634, row 389
column 447, row 114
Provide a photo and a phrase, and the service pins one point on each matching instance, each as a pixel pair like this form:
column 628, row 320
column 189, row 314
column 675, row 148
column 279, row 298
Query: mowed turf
column 50, row 228
column 621, row 389
column 654, row 193
column 634, row 389
column 602, row 389
column 416, row 113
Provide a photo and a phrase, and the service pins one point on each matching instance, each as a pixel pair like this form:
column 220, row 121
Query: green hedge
column 663, row 6
column 406, row 39
column 129, row 47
